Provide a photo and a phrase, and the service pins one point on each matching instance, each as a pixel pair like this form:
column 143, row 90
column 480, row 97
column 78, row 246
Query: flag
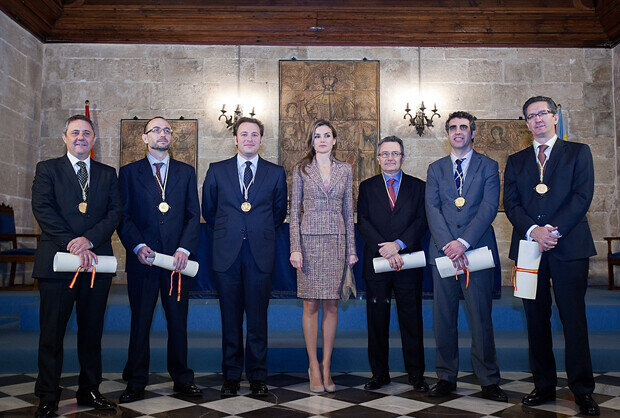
column 87, row 114
column 560, row 129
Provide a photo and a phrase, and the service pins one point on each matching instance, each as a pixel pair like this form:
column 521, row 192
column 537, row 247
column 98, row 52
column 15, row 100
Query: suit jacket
column 56, row 194
column 324, row 211
column 377, row 222
column 221, row 209
column 569, row 173
column 142, row 222
column 473, row 222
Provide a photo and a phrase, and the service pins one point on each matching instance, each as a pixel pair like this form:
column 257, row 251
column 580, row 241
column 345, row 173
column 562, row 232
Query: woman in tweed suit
column 321, row 241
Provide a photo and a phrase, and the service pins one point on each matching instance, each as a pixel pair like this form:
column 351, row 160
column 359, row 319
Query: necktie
column 459, row 173
column 391, row 192
column 541, row 154
column 83, row 176
column 247, row 174
column 158, row 167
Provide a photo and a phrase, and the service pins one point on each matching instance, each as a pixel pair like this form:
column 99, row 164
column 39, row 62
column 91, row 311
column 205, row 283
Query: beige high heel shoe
column 315, row 389
column 328, row 388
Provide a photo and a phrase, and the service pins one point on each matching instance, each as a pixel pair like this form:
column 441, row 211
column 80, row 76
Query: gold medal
column 82, row 207
column 459, row 202
column 541, row 188
column 163, row 207
column 246, row 206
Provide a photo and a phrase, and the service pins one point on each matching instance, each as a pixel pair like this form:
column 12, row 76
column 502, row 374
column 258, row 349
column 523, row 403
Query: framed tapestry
column 344, row 92
column 184, row 145
column 497, row 139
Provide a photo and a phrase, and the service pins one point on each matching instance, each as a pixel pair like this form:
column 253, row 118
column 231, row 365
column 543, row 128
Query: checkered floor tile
column 290, row 397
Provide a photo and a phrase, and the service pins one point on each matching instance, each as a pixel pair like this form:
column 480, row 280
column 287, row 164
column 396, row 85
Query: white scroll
column 527, row 259
column 66, row 262
column 167, row 262
column 479, row 259
column 411, row 261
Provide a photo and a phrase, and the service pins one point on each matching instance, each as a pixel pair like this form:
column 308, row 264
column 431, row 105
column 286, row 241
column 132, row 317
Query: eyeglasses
column 394, row 154
column 157, row 130
column 539, row 114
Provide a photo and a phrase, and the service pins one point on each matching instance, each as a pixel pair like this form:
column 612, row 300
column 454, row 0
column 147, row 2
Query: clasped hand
column 545, row 237
column 455, row 251
column 389, row 250
column 80, row 246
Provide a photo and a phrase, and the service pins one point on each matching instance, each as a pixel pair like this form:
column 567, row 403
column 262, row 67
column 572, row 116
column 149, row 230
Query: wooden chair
column 15, row 254
column 613, row 259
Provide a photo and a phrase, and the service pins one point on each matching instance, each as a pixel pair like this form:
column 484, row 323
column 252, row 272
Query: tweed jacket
column 324, row 211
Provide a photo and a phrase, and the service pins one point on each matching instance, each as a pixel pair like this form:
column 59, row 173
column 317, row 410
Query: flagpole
column 87, row 114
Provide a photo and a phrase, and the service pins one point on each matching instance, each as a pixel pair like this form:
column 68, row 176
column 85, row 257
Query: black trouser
column 56, row 306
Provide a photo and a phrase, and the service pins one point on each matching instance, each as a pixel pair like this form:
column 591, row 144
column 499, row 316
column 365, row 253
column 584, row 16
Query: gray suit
column 473, row 224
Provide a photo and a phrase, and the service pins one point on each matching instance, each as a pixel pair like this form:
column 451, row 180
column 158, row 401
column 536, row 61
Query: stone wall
column 615, row 231
column 21, row 57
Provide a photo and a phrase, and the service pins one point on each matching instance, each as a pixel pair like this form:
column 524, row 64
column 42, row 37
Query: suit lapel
column 259, row 178
column 233, row 175
column 381, row 193
column 448, row 176
column 554, row 157
column 403, row 190
column 95, row 177
column 146, row 177
column 173, row 175
column 474, row 165
column 69, row 172
column 337, row 174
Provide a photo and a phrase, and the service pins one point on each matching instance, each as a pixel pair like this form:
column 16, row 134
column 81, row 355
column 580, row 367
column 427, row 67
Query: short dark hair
column 463, row 115
column 78, row 117
column 152, row 119
column 552, row 106
column 244, row 119
column 392, row 139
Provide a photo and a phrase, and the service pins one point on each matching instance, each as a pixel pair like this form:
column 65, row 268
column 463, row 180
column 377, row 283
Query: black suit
column 143, row 223
column 569, row 174
column 377, row 222
column 56, row 194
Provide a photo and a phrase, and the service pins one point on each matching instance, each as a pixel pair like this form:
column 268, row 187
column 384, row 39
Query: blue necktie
column 247, row 174
column 459, row 174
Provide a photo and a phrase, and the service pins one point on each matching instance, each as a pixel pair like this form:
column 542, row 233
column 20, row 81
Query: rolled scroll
column 66, row 262
column 479, row 259
column 167, row 262
column 525, row 274
column 411, row 261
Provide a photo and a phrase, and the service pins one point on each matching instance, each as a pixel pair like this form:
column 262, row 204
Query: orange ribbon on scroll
column 179, row 285
column 515, row 269
column 466, row 271
column 92, row 277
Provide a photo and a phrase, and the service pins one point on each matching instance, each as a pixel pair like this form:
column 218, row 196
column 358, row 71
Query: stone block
column 569, row 95
column 279, row 52
column 132, row 70
column 16, row 96
column 598, row 70
column 485, row 71
column 51, row 95
column 220, row 71
column 522, row 71
column 453, row 70
column 11, row 123
column 383, row 53
column 578, row 70
column 596, row 53
column 556, row 72
column 183, row 70
column 51, row 147
column 53, row 122
column 604, row 199
column 6, row 145
column 116, row 51
column 580, row 123
column 247, row 73
column 508, row 96
column 600, row 225
column 109, row 122
column 127, row 96
column 71, row 69
column 33, row 75
column 597, row 96
column 603, row 124
column 267, row 70
column 604, row 170
column 14, row 62
column 8, row 185
column 75, row 93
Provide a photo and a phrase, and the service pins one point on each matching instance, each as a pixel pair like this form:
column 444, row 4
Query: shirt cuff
column 465, row 243
column 529, row 231
column 402, row 244
column 556, row 232
column 183, row 250
column 137, row 248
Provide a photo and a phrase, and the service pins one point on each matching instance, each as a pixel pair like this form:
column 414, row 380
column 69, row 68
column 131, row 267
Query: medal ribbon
column 162, row 187
column 515, row 269
column 387, row 189
column 541, row 161
column 92, row 277
column 466, row 271
column 178, row 287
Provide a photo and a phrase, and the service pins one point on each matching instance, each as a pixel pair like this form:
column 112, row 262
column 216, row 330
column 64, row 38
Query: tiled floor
column 289, row 397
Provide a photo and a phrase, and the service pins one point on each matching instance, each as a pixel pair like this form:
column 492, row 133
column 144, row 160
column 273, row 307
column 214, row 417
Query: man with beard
column 161, row 214
column 76, row 203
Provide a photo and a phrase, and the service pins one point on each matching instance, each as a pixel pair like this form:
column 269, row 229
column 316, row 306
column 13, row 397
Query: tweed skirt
column 323, row 266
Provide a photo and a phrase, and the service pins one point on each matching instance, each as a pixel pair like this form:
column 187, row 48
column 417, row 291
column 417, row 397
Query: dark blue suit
column 244, row 249
column 142, row 222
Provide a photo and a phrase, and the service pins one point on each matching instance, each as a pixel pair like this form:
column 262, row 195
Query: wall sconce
column 420, row 121
column 237, row 114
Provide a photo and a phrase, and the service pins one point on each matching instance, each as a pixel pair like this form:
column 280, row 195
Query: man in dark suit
column 76, row 202
column 161, row 213
column 392, row 220
column 462, row 197
column 243, row 202
column 548, row 189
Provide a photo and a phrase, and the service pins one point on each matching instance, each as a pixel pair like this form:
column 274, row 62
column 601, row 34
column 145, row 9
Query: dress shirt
column 74, row 160
column 547, row 152
column 162, row 173
column 465, row 160
column 241, row 168
column 396, row 187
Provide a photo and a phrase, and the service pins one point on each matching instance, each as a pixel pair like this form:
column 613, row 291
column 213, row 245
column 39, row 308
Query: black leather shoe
column 188, row 389
column 494, row 393
column 131, row 395
column 442, row 388
column 418, row 383
column 47, row 409
column 539, row 397
column 94, row 399
column 229, row 388
column 259, row 388
column 376, row 381
column 587, row 405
